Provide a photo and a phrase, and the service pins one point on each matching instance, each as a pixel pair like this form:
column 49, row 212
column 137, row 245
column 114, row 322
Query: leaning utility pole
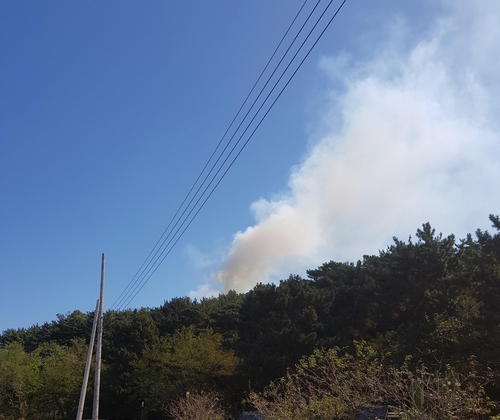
column 97, row 379
column 83, row 392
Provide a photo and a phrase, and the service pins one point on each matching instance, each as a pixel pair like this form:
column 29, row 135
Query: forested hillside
column 429, row 304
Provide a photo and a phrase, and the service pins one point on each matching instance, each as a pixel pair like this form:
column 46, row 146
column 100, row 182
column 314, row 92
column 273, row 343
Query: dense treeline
column 432, row 302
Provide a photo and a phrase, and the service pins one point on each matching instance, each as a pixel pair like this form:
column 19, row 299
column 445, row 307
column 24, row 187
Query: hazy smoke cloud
column 413, row 138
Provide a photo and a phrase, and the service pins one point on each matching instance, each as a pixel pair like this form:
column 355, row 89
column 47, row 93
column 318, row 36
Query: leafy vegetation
column 330, row 385
column 417, row 327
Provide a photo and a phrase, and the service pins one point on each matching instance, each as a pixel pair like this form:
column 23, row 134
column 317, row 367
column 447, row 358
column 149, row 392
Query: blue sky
column 109, row 110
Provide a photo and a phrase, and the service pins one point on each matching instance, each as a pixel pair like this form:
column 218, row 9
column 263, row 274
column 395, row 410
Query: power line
column 139, row 285
column 145, row 263
column 164, row 250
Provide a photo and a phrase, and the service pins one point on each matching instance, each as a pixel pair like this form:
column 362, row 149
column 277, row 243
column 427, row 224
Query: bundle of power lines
column 306, row 29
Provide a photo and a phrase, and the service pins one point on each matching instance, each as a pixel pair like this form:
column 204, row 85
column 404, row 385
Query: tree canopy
column 431, row 302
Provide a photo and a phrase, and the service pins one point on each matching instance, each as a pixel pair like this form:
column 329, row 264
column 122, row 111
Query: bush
column 198, row 406
column 330, row 385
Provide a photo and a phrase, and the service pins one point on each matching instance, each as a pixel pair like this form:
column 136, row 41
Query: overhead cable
column 154, row 251
column 165, row 245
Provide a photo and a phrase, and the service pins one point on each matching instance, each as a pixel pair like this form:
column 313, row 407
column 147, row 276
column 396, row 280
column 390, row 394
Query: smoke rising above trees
column 411, row 135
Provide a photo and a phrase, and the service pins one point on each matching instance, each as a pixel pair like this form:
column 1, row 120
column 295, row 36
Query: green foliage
column 331, row 384
column 141, row 365
column 199, row 361
column 128, row 338
column 19, row 382
column 279, row 324
column 41, row 385
column 429, row 301
column 60, row 377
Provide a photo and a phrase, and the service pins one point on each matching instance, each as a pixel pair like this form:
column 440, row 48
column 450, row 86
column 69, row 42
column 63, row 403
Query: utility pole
column 83, row 392
column 97, row 379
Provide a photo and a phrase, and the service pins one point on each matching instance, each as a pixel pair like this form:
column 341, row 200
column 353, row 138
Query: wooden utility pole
column 83, row 392
column 97, row 379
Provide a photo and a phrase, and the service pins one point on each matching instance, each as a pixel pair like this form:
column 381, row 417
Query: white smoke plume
column 413, row 138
